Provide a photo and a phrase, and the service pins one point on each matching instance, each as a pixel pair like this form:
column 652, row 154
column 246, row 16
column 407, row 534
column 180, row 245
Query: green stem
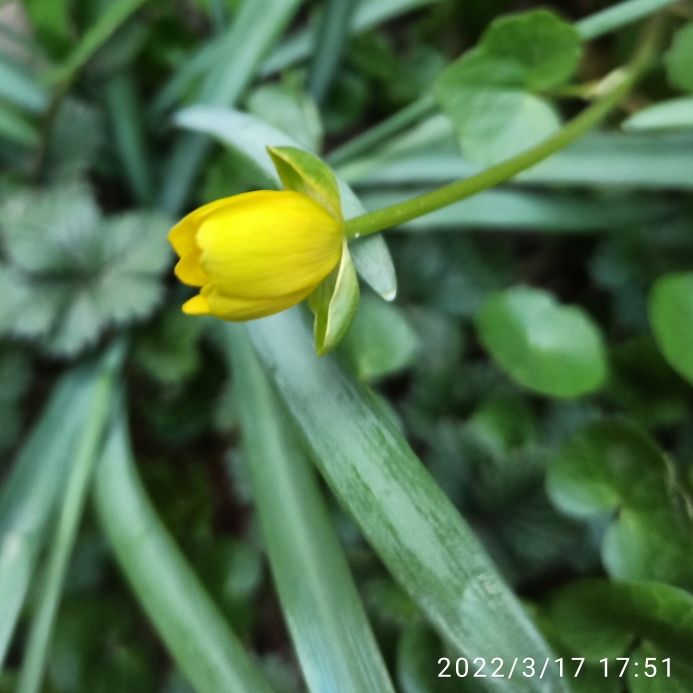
column 623, row 80
column 391, row 126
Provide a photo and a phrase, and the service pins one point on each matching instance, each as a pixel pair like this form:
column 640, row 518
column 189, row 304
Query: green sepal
column 334, row 303
column 300, row 171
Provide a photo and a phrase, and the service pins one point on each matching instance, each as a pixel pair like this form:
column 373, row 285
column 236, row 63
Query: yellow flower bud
column 255, row 254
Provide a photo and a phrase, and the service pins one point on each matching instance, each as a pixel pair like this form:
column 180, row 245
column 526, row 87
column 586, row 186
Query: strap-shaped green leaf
column 30, row 492
column 300, row 171
column 199, row 639
column 85, row 453
column 403, row 513
column 321, row 605
column 334, row 303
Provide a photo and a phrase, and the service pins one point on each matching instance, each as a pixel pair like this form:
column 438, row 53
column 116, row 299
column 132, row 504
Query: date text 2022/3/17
column 527, row 667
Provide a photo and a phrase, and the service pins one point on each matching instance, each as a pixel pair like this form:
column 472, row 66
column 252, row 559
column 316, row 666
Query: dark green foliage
column 501, row 451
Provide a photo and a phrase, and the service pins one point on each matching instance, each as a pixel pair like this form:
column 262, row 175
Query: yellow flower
column 255, row 254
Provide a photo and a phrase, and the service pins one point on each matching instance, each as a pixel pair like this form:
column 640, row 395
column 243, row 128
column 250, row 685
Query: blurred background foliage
column 538, row 357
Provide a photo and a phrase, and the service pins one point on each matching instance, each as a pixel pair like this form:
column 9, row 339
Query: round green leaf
column 671, row 317
column 380, row 341
column 552, row 349
column 613, row 467
column 547, row 47
column 679, row 59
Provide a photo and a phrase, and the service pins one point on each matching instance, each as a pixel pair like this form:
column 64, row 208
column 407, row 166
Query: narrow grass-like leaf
column 665, row 115
column 30, row 493
column 368, row 14
column 19, row 87
column 86, row 452
column 513, row 210
column 618, row 15
column 376, row 135
column 651, row 161
column 126, row 120
column 199, row 639
column 256, row 27
column 16, row 129
column 329, row 46
column 113, row 16
column 405, row 516
column 319, row 600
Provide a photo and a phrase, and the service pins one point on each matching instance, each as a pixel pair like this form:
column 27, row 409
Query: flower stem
column 616, row 86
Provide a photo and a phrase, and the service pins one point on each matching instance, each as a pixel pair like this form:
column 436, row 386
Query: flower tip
column 197, row 305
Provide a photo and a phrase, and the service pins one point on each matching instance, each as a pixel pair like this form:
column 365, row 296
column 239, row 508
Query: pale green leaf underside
column 672, row 114
column 402, row 512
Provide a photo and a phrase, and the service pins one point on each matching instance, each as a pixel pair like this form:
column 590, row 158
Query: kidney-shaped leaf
column 671, row 316
column 552, row 349
column 679, row 59
column 613, row 467
column 488, row 92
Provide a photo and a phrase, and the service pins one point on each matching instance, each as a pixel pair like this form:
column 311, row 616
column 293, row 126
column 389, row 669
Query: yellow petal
column 197, row 305
column 238, row 309
column 182, row 235
column 188, row 269
column 269, row 244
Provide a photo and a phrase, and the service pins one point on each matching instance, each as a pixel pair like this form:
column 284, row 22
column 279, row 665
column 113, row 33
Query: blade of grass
column 199, row 639
column 648, row 161
column 106, row 25
column 254, row 31
column 127, row 122
column 367, row 15
column 86, row 453
column 328, row 625
column 619, row 15
column 513, row 210
column 19, row 86
column 30, row 493
column 402, row 512
column 329, row 46
column 370, row 139
column 16, row 129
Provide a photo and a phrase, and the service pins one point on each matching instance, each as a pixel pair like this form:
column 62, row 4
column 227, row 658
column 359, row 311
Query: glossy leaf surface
column 553, row 349
column 199, row 639
column 609, row 467
column 671, row 316
column 402, row 512
column 319, row 599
